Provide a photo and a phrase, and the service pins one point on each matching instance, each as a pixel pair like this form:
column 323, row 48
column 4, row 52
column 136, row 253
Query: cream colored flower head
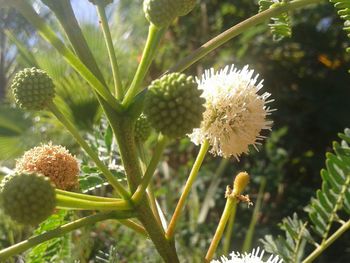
column 235, row 113
column 256, row 256
column 53, row 161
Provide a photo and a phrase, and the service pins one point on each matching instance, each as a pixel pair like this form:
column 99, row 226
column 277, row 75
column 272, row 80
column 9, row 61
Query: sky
column 83, row 9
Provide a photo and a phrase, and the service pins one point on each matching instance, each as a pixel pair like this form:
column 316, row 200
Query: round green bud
column 160, row 12
column 186, row 6
column 28, row 198
column 33, row 89
column 142, row 128
column 174, row 105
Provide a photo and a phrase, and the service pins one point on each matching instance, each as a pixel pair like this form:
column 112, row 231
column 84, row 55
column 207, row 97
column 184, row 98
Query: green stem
column 230, row 204
column 157, row 154
column 71, row 128
column 212, row 190
column 154, row 206
column 85, row 196
column 152, row 200
column 229, row 231
column 67, row 202
column 128, row 153
column 60, row 231
column 110, row 48
column 318, row 251
column 45, row 31
column 250, row 233
column 154, row 36
column 234, row 31
column 192, row 177
column 134, row 226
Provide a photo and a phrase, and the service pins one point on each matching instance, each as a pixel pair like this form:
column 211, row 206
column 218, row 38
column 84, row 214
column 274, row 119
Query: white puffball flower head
column 254, row 257
column 235, row 113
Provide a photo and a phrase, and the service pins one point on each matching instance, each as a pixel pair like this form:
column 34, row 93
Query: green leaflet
column 281, row 24
column 343, row 7
column 56, row 249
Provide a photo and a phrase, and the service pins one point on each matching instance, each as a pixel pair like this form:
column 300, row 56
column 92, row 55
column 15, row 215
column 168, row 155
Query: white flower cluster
column 256, row 256
column 235, row 112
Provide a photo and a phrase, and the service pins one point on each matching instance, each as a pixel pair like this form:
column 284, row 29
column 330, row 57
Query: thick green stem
column 157, row 154
column 318, row 251
column 128, row 153
column 192, row 177
column 237, row 30
column 154, row 36
column 45, row 31
column 68, row 202
column 93, row 155
column 60, row 231
column 230, row 204
column 112, row 57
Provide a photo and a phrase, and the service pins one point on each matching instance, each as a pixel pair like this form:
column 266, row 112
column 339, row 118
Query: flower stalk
column 152, row 166
column 68, row 202
column 229, row 231
column 85, row 196
column 154, row 36
column 119, row 93
column 230, row 206
column 233, row 197
column 192, row 177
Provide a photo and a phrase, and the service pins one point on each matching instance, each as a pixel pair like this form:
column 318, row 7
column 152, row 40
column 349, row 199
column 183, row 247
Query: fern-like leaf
column 335, row 191
column 333, row 197
column 281, row 24
column 343, row 7
column 55, row 250
column 291, row 247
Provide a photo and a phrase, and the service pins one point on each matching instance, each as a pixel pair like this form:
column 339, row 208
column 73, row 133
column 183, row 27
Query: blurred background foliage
column 306, row 74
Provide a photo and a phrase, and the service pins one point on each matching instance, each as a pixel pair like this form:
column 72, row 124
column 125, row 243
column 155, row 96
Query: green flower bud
column 33, row 89
column 142, row 128
column 174, row 105
column 160, row 12
column 28, row 198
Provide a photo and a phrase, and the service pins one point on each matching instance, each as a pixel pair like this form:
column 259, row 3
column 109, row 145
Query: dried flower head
column 53, row 161
column 256, row 256
column 235, row 112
